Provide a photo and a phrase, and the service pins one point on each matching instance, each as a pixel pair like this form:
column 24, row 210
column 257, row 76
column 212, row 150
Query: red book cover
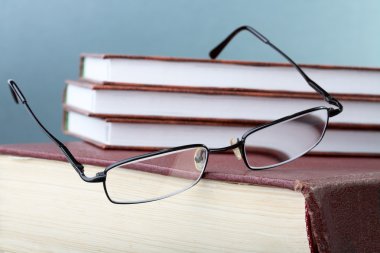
column 342, row 193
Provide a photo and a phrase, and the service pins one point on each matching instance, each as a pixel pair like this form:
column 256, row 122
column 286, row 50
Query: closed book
column 314, row 204
column 200, row 102
column 157, row 132
column 126, row 69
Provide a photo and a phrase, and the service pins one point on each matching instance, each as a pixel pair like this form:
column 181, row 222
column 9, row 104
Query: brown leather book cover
column 217, row 90
column 341, row 193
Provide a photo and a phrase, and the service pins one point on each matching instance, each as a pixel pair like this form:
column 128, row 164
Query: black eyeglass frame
column 240, row 144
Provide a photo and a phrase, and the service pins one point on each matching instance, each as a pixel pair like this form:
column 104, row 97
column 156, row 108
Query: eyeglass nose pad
column 237, row 152
column 200, row 159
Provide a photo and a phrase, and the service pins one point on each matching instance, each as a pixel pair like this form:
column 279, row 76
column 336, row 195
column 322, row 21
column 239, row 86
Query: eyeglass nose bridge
column 236, row 146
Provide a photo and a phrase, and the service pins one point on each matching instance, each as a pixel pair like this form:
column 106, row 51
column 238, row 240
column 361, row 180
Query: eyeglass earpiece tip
column 10, row 81
column 11, row 85
column 212, row 54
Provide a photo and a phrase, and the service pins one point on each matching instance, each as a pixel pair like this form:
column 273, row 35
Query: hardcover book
column 313, row 204
column 156, row 132
column 150, row 100
column 126, row 69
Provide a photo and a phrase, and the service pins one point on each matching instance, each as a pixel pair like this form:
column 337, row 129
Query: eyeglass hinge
column 334, row 111
column 101, row 174
column 98, row 178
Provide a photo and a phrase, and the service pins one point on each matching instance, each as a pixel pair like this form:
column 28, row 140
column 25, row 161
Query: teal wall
column 41, row 40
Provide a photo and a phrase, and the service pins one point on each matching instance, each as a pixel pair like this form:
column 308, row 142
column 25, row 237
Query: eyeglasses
column 161, row 174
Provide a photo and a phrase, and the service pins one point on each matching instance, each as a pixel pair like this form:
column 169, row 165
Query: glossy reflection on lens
column 156, row 177
column 285, row 141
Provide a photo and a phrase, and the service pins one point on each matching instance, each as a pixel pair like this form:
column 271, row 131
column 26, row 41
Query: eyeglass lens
column 285, row 141
column 157, row 176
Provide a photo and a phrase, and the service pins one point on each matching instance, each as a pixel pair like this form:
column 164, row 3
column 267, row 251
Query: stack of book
column 123, row 102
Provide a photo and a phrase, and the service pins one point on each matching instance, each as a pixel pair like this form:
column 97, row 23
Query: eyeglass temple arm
column 79, row 168
column 328, row 98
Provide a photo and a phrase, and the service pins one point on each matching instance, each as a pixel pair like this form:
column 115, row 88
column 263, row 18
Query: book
column 314, row 204
column 198, row 102
column 158, row 132
column 126, row 69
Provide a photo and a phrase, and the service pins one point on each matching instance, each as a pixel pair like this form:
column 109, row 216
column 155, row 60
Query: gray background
column 41, row 41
